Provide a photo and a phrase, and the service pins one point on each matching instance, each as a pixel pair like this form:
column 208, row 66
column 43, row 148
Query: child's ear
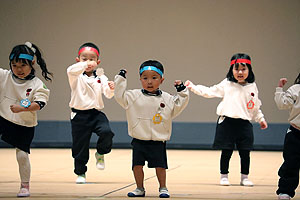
column 162, row 80
column 77, row 59
column 33, row 62
column 98, row 61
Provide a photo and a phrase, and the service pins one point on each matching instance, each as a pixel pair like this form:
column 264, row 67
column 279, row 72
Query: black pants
column 289, row 170
column 225, row 158
column 83, row 125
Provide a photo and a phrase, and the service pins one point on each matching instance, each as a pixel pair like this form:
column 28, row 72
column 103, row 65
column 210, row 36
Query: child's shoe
column 24, row 191
column 100, row 161
column 245, row 181
column 81, row 179
column 284, row 197
column 224, row 180
column 138, row 192
column 164, row 193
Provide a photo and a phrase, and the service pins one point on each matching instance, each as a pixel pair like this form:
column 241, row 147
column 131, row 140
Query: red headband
column 240, row 61
column 89, row 49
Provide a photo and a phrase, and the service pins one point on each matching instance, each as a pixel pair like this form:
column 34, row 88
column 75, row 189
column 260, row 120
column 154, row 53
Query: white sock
column 243, row 176
column 224, row 176
column 24, row 166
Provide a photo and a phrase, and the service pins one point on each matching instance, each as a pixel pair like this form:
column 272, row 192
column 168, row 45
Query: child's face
column 20, row 69
column 240, row 73
column 88, row 56
column 151, row 80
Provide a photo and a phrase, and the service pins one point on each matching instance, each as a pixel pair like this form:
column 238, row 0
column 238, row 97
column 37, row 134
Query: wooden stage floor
column 192, row 174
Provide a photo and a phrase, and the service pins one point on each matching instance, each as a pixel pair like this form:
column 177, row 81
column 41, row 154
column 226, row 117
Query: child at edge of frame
column 22, row 94
column 149, row 114
column 289, row 170
column 240, row 104
column 87, row 86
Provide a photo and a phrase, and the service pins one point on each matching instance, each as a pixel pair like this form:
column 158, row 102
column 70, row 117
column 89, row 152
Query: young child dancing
column 87, row 86
column 239, row 105
column 149, row 115
column 289, row 170
column 22, row 94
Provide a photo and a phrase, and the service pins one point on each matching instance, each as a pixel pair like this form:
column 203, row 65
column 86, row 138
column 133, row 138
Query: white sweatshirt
column 86, row 92
column 235, row 99
column 289, row 100
column 13, row 90
column 141, row 109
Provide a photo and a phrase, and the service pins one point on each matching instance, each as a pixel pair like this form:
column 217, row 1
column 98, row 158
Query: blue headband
column 153, row 68
column 22, row 55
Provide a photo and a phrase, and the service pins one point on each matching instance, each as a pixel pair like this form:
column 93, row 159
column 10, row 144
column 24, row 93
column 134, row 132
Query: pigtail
column 41, row 62
column 297, row 81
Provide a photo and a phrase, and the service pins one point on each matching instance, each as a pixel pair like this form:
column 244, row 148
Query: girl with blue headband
column 22, row 94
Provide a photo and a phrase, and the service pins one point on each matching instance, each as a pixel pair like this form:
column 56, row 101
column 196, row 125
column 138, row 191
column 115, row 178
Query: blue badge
column 25, row 103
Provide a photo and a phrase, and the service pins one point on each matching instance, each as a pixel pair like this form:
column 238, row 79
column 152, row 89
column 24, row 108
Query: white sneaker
column 81, row 179
column 100, row 161
column 164, row 193
column 137, row 193
column 246, row 182
column 224, row 181
column 284, row 196
column 24, row 192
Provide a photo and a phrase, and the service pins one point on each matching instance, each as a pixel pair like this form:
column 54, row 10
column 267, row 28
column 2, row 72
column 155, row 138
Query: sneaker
column 100, row 161
column 284, row 196
column 24, row 192
column 164, row 193
column 81, row 179
column 138, row 192
column 224, row 181
column 246, row 182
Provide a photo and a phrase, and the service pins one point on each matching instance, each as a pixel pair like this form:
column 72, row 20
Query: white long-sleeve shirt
column 141, row 109
column 235, row 99
column 13, row 90
column 86, row 92
column 289, row 100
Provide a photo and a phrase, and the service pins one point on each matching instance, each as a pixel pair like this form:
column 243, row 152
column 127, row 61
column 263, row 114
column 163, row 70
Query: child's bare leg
column 161, row 176
column 139, row 175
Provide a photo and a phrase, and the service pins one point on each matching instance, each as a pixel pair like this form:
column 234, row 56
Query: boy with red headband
column 239, row 105
column 87, row 86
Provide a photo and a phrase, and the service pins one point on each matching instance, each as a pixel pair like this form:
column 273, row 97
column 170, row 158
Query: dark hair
column 297, row 81
column 24, row 49
column 230, row 77
column 153, row 63
column 89, row 44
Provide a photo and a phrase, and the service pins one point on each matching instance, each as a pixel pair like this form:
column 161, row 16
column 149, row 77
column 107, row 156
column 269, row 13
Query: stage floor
column 192, row 174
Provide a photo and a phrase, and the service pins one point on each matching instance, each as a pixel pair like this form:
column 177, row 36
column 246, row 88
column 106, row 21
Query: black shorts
column 16, row 135
column 231, row 133
column 154, row 152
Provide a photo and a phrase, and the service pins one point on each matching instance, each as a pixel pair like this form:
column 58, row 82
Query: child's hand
column 189, row 84
column 16, row 108
column 177, row 82
column 91, row 65
column 263, row 125
column 111, row 85
column 282, row 82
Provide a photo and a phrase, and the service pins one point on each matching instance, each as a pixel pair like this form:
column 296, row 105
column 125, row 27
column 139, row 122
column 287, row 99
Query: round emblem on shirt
column 250, row 104
column 25, row 103
column 157, row 118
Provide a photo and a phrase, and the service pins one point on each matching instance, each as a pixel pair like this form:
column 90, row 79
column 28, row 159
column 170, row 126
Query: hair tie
column 29, row 45
column 152, row 68
column 235, row 61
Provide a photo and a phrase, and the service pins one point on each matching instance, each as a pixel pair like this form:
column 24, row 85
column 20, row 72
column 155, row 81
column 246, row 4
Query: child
column 289, row 170
column 149, row 115
column 239, row 105
column 86, row 103
column 22, row 94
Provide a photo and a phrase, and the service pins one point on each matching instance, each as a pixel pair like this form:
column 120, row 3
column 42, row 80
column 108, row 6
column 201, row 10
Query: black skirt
column 233, row 133
column 16, row 135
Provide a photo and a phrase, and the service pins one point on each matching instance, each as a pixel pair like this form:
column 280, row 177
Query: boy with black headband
column 87, row 86
column 149, row 115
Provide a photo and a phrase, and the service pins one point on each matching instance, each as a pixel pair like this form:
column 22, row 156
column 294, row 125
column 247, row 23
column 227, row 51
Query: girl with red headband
column 239, row 105
column 22, row 94
column 87, row 86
